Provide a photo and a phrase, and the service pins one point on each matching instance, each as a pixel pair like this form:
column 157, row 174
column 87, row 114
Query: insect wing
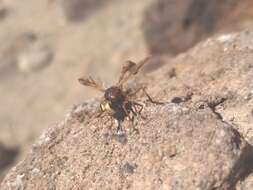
column 89, row 81
column 137, row 67
column 126, row 67
column 130, row 69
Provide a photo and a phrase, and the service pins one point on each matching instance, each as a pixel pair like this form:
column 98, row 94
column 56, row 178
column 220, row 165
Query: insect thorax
column 114, row 94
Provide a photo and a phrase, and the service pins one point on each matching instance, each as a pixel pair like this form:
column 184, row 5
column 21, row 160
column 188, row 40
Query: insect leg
column 143, row 89
column 138, row 111
column 125, row 109
column 149, row 98
column 119, row 127
column 109, row 119
column 135, row 104
column 111, row 122
column 135, row 112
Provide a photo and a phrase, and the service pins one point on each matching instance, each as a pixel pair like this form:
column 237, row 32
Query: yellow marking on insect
column 105, row 106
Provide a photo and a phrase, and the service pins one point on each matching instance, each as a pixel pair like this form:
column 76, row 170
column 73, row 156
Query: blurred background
column 47, row 44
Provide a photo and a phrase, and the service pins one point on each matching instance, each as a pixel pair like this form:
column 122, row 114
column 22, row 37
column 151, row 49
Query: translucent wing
column 89, row 81
column 130, row 69
column 126, row 67
column 136, row 69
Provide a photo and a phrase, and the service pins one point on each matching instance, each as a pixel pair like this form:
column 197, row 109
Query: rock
column 78, row 10
column 75, row 155
column 156, row 62
column 34, row 58
column 3, row 13
column 200, row 138
column 11, row 49
column 247, row 184
column 7, row 155
column 24, row 52
column 7, row 67
column 174, row 26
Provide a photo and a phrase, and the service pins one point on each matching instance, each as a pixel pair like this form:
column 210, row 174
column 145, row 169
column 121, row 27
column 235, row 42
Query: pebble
column 34, row 58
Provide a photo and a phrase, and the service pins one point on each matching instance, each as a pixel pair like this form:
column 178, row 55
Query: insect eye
column 112, row 97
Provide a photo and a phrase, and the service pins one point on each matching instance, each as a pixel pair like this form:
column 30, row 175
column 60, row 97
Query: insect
column 117, row 101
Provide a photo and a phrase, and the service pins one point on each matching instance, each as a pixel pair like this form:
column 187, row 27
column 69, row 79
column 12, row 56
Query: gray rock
column 247, row 184
column 3, row 13
column 7, row 156
column 174, row 26
column 34, row 58
column 15, row 54
column 78, row 10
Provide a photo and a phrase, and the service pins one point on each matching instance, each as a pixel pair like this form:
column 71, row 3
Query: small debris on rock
column 171, row 151
column 177, row 100
column 128, row 168
column 122, row 138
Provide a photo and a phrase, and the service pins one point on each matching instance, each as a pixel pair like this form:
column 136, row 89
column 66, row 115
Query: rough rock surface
column 201, row 138
column 175, row 148
column 246, row 184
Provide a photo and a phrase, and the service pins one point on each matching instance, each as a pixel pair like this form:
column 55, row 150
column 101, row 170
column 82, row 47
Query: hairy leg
column 135, row 105
column 149, row 98
column 119, row 127
column 143, row 89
